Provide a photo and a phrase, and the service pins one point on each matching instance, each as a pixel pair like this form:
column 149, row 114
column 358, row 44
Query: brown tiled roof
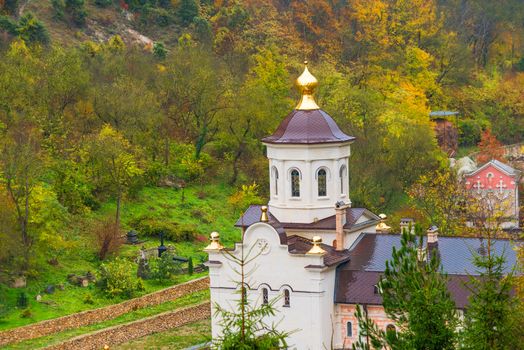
column 301, row 245
column 252, row 215
column 308, row 127
column 356, row 279
column 358, row 287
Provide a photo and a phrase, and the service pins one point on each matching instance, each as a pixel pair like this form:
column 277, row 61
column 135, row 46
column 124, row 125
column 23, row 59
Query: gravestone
column 132, row 237
column 19, row 282
column 50, row 289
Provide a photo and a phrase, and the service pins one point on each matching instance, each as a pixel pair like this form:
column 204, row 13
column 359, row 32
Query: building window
column 286, row 298
column 342, row 176
column 376, row 289
column 295, row 183
column 265, row 296
column 321, row 179
column 349, row 329
column 275, row 180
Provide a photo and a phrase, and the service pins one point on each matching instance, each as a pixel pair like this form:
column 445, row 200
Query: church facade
column 309, row 249
column 497, row 183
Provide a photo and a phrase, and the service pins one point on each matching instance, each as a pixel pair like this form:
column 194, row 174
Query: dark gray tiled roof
column 356, row 279
column 308, row 127
column 252, row 215
column 370, row 252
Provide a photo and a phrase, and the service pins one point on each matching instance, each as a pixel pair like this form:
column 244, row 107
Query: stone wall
column 137, row 329
column 88, row 317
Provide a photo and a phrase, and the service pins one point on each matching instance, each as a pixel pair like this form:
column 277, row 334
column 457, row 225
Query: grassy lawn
column 187, row 300
column 204, row 207
column 175, row 339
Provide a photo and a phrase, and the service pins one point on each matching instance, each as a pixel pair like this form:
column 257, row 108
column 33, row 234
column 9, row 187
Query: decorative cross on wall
column 501, row 185
column 478, row 185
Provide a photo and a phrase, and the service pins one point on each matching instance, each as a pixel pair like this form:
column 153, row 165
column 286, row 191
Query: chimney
column 405, row 224
column 432, row 235
column 340, row 221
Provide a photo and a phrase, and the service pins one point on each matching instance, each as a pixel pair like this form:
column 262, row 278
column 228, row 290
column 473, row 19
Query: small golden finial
column 106, row 347
column 316, row 249
column 264, row 217
column 382, row 226
column 214, row 245
column 306, row 84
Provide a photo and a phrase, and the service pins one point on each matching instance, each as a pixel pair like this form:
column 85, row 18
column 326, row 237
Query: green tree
column 488, row 318
column 21, row 168
column 187, row 10
column 76, row 9
column 444, row 211
column 114, row 162
column 415, row 296
column 31, row 30
column 245, row 327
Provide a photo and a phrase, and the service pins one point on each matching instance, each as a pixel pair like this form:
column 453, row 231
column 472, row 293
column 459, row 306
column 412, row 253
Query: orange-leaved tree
column 490, row 147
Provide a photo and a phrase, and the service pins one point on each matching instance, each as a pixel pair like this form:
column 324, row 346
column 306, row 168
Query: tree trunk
column 118, row 203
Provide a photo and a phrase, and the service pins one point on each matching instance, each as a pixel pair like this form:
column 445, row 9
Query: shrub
column 8, row 25
column 173, row 231
column 245, row 197
column 88, row 299
column 58, row 8
column 190, row 268
column 26, row 313
column 31, row 30
column 76, row 9
column 107, row 238
column 103, row 3
column 159, row 50
column 118, row 278
column 187, row 10
column 140, row 287
column 22, row 300
column 164, row 267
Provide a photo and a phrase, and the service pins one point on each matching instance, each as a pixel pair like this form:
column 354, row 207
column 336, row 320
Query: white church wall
column 311, row 290
column 307, row 159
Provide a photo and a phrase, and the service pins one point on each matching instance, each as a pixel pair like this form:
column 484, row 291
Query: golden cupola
column 306, row 84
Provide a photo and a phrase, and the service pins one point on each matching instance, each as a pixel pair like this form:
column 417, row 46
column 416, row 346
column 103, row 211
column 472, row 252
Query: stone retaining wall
column 88, row 317
column 137, row 329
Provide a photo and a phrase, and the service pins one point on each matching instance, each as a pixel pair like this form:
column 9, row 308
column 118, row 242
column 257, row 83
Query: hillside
column 149, row 114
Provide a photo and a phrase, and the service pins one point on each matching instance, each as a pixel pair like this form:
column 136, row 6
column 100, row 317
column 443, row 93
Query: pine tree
column 415, row 296
column 245, row 327
column 488, row 319
column 190, row 268
column 187, row 10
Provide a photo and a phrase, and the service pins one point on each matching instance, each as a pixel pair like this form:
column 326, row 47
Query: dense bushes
column 164, row 267
column 117, row 278
column 173, row 231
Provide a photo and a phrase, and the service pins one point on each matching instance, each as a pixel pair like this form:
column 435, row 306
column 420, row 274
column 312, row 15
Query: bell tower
column 308, row 161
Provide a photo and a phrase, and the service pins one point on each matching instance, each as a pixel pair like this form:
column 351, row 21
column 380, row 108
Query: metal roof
column 356, row 279
column 442, row 113
column 308, row 127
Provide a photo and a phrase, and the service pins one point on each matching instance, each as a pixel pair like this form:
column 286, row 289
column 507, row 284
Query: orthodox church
column 312, row 252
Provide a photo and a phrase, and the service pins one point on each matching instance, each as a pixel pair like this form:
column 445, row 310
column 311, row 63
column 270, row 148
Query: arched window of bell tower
column 322, row 182
column 274, row 177
column 343, row 179
column 295, row 183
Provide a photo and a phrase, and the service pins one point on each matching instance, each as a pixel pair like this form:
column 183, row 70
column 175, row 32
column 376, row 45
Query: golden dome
column 306, row 84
